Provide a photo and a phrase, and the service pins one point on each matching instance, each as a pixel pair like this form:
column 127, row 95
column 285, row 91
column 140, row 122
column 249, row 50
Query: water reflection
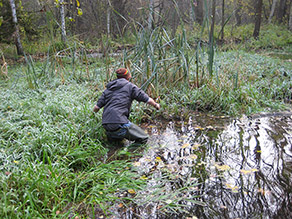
column 241, row 168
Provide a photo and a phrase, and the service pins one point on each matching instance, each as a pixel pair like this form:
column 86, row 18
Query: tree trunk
column 17, row 34
column 290, row 17
column 108, row 18
column 223, row 20
column 211, row 36
column 272, row 10
column 238, row 12
column 281, row 11
column 199, row 11
column 258, row 16
column 63, row 25
column 211, row 39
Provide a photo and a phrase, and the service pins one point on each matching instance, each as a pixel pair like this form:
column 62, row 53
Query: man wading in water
column 117, row 100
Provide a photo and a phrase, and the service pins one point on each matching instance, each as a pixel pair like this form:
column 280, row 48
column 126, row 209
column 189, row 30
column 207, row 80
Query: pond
column 217, row 167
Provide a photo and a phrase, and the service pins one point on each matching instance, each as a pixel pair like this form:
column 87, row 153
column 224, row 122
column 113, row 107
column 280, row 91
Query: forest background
column 226, row 57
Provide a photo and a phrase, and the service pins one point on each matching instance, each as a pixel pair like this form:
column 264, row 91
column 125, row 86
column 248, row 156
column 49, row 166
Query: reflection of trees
column 243, row 171
column 250, row 145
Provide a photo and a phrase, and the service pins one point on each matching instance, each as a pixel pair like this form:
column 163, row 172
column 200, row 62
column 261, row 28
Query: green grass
column 53, row 151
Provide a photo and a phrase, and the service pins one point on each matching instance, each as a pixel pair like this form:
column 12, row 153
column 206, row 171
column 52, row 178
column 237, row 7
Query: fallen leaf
column 193, row 156
column 131, row 191
column 137, row 164
column 143, row 177
column 248, row 171
column 222, row 167
column 185, row 145
column 168, row 201
column 158, row 159
column 196, row 146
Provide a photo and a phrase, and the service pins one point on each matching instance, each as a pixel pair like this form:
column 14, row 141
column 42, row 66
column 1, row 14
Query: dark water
column 217, row 167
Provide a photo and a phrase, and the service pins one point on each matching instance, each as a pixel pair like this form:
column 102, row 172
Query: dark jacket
column 117, row 100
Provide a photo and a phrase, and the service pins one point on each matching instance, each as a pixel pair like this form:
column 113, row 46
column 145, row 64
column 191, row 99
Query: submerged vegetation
column 54, row 158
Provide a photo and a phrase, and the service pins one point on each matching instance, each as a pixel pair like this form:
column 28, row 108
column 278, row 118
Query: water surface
column 217, row 167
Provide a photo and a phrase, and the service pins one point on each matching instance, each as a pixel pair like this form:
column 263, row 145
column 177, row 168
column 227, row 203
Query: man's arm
column 153, row 103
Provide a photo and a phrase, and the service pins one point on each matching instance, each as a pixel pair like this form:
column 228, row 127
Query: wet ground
column 217, row 167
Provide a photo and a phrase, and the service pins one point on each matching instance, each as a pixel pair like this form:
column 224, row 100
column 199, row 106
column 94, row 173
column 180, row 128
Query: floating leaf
column 248, row 171
column 233, row 188
column 193, row 156
column 158, row 159
column 185, row 145
column 222, row 167
column 196, row 146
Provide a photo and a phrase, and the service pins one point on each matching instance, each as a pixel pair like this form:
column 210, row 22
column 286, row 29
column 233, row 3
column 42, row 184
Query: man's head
column 123, row 73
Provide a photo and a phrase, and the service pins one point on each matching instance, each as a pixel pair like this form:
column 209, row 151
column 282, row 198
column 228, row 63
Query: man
column 117, row 100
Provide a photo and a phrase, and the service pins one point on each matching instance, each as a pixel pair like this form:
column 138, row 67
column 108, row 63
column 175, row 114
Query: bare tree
column 63, row 26
column 108, row 17
column 223, row 20
column 258, row 17
column 17, row 34
column 290, row 17
column 272, row 10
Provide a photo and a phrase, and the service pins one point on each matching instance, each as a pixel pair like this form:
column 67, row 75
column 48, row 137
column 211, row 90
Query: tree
column 223, row 20
column 211, row 38
column 63, row 25
column 272, row 10
column 108, row 17
column 281, row 10
column 238, row 12
column 16, row 33
column 258, row 16
column 199, row 11
column 290, row 17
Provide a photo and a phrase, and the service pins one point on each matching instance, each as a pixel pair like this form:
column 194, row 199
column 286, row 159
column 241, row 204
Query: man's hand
column 96, row 109
column 153, row 103
column 157, row 106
